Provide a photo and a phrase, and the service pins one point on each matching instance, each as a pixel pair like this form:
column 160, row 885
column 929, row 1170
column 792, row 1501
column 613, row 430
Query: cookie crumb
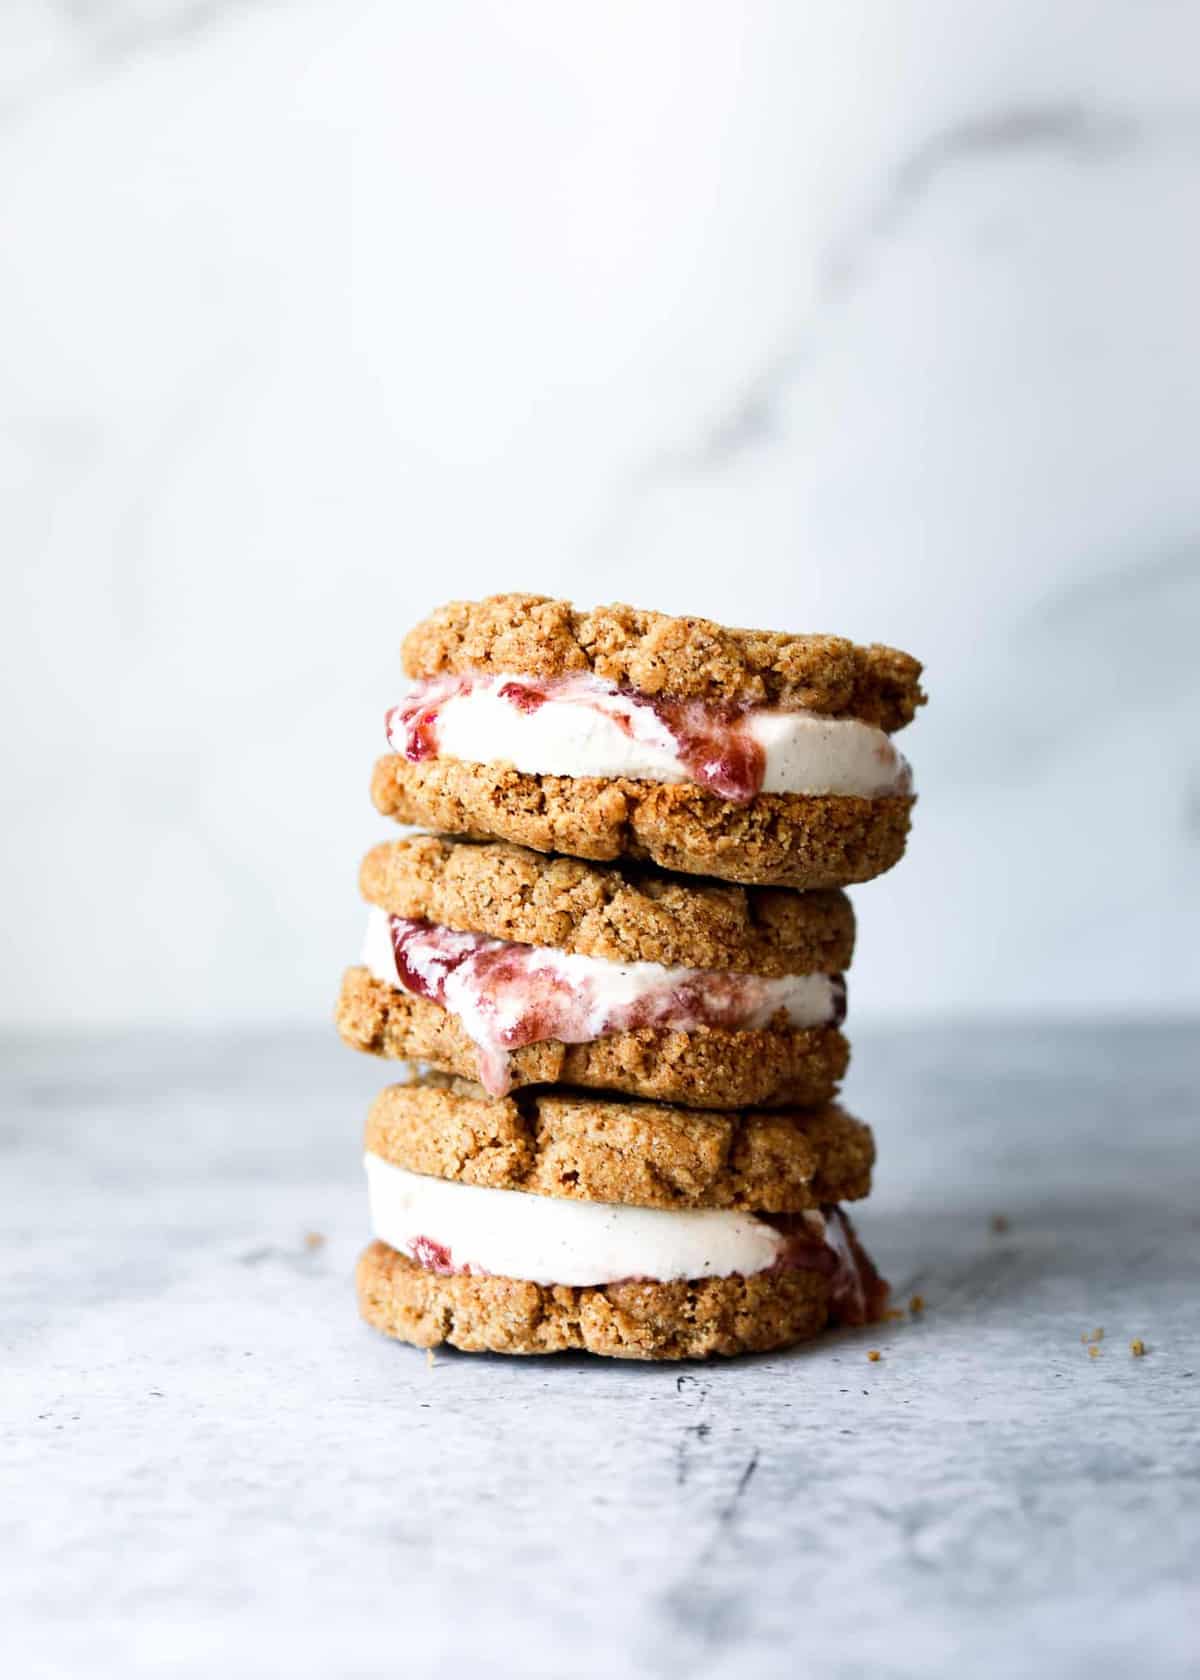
column 1093, row 1351
column 999, row 1223
column 917, row 1305
column 1096, row 1335
column 874, row 1356
column 429, row 1359
column 1137, row 1347
column 893, row 1314
column 314, row 1239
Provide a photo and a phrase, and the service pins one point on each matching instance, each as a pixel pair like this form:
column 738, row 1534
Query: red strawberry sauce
column 859, row 1294
column 711, row 738
column 507, row 995
column 434, row 1256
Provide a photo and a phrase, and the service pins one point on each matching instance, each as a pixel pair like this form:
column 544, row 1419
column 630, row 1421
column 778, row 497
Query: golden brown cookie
column 680, row 658
column 704, row 1067
column 629, row 1320
column 620, row 912
column 777, row 839
column 643, row 1154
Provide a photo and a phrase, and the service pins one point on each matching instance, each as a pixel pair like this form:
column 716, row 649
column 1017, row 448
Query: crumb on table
column 874, row 1356
column 314, row 1239
column 917, row 1304
column 1093, row 1351
column 1137, row 1347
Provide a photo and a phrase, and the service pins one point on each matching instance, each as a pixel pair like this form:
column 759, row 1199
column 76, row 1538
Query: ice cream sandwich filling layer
column 585, row 726
column 450, row 1227
column 506, row 995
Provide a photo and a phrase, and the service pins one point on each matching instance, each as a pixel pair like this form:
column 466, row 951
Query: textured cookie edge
column 619, row 911
column 707, row 1067
column 799, row 841
column 667, row 656
column 605, row 1149
column 630, row 1320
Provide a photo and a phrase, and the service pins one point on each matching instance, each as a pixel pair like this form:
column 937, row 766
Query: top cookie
column 665, row 657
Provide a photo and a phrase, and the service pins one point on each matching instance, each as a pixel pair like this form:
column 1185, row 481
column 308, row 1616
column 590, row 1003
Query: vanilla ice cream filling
column 448, row 1227
column 506, row 995
column 587, row 727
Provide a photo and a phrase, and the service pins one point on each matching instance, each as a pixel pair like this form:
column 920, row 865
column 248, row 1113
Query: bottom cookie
column 632, row 1319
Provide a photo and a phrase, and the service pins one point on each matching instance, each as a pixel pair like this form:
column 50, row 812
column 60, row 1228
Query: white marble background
column 878, row 318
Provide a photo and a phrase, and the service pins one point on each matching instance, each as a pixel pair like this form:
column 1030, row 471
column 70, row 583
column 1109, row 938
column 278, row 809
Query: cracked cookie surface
column 586, row 1148
column 620, row 912
column 634, row 1319
column 802, row 841
column 665, row 656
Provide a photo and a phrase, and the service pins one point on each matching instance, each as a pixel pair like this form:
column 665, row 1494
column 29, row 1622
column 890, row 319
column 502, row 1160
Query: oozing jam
column 858, row 1293
column 715, row 747
column 434, row 1256
column 711, row 740
column 412, row 725
column 508, row 995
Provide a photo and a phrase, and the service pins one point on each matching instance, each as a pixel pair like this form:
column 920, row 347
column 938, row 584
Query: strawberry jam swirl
column 583, row 725
column 451, row 1228
column 506, row 995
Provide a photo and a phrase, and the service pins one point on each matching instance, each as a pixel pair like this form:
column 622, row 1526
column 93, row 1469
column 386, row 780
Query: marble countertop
column 210, row 1466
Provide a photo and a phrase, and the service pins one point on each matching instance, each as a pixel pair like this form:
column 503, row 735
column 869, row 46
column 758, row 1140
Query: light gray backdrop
column 878, row 319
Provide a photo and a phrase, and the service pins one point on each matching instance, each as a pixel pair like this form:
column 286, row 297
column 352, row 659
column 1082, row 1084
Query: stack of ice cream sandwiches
column 617, row 969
